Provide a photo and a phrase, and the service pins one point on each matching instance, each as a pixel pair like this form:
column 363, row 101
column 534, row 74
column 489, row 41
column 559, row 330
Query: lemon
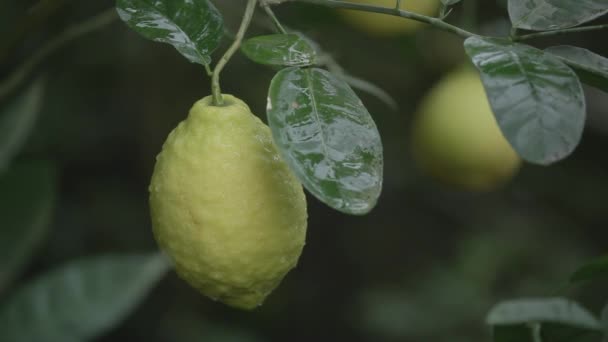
column 456, row 138
column 387, row 25
column 224, row 205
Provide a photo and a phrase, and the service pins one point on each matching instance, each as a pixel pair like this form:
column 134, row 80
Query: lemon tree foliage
column 543, row 15
column 27, row 193
column 80, row 300
column 16, row 121
column 280, row 49
column 193, row 27
column 589, row 66
column 538, row 101
column 327, row 137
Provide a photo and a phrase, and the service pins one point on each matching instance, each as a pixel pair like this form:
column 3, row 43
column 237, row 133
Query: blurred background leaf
column 17, row 118
column 80, row 300
column 540, row 310
column 27, row 198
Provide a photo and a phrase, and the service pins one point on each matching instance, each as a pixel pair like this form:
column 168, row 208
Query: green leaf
column 512, row 333
column 538, row 101
column 541, row 15
column 80, row 300
column 590, row 67
column 17, row 119
column 193, row 27
column 546, row 310
column 327, row 137
column 27, row 195
column 594, row 269
column 280, row 49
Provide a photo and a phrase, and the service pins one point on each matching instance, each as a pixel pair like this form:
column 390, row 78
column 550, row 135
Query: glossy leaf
column 541, row 15
column 80, row 300
column 280, row 49
column 17, row 119
column 193, row 27
column 27, row 195
column 538, row 101
column 512, row 333
column 590, row 67
column 327, row 137
column 549, row 310
column 592, row 270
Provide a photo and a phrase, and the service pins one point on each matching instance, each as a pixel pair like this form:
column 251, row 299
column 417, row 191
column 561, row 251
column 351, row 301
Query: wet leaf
column 541, row 15
column 538, row 101
column 280, row 49
column 327, row 137
column 80, row 300
column 193, row 27
column 590, row 67
column 27, row 195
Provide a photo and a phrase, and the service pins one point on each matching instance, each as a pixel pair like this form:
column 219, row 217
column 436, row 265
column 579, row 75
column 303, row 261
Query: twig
column 274, row 18
column 559, row 32
column 22, row 72
column 436, row 22
column 215, row 79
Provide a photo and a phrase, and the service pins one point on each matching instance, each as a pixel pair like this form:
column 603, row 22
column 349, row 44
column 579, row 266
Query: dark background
column 425, row 265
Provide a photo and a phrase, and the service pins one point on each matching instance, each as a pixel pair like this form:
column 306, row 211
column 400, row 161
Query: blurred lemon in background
column 456, row 138
column 387, row 25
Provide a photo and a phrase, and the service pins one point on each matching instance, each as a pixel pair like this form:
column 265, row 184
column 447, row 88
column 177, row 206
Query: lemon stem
column 215, row 79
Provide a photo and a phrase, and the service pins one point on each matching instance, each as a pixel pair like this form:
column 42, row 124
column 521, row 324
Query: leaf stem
column 20, row 74
column 215, row 79
column 559, row 32
column 436, row 22
column 274, row 18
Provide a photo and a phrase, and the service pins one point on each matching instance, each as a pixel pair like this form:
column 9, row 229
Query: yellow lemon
column 387, row 25
column 456, row 138
column 224, row 205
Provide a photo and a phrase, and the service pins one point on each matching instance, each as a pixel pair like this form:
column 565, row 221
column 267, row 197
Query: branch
column 436, row 22
column 559, row 32
column 215, row 79
column 32, row 21
column 22, row 72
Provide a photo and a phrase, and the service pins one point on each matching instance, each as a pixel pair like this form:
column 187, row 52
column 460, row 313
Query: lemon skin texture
column 384, row 25
column 456, row 138
column 224, row 205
